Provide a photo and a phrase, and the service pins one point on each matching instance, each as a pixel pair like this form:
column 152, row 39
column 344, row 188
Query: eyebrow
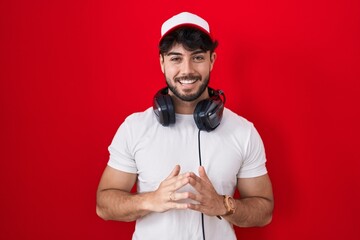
column 179, row 54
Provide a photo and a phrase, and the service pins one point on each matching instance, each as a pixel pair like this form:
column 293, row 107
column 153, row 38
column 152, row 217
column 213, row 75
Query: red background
column 71, row 71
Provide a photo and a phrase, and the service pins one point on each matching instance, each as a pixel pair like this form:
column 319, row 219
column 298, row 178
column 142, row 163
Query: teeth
column 187, row 81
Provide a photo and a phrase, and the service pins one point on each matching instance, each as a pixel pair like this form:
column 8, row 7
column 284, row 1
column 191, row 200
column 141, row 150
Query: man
column 186, row 163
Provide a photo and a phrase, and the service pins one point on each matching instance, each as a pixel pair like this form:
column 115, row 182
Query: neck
column 184, row 107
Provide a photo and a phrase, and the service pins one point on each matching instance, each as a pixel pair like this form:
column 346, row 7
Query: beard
column 188, row 97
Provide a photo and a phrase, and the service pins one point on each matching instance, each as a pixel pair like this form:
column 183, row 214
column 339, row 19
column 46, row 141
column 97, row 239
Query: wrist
column 222, row 210
column 145, row 203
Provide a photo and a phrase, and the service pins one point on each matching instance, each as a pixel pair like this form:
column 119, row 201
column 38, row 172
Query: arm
column 254, row 208
column 115, row 202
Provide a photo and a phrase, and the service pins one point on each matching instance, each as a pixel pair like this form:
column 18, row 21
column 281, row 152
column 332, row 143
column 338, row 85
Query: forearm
column 113, row 204
column 252, row 212
column 117, row 203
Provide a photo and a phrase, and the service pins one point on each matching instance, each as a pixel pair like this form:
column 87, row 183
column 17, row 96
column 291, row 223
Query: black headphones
column 207, row 114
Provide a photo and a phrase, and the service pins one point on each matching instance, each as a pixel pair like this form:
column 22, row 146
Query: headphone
column 207, row 114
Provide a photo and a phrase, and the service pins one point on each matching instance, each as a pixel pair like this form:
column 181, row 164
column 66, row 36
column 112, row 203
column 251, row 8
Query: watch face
column 231, row 203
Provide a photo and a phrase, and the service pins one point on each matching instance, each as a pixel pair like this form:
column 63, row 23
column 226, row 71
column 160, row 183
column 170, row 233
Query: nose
column 187, row 67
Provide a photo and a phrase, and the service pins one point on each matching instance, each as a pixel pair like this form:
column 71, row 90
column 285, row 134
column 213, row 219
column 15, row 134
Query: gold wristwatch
column 229, row 204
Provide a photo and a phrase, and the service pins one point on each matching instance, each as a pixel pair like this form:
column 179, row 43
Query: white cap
column 184, row 19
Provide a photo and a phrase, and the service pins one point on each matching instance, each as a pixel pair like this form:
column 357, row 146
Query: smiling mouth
column 183, row 82
column 187, row 80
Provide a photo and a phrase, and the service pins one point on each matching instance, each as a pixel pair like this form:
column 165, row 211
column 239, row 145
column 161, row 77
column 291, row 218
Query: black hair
column 190, row 38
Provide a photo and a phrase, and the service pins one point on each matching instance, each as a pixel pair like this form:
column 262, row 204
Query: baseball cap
column 185, row 19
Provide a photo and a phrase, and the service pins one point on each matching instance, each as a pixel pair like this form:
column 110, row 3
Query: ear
column 161, row 58
column 212, row 60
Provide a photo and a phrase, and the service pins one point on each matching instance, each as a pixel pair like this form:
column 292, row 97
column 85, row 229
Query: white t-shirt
column 145, row 147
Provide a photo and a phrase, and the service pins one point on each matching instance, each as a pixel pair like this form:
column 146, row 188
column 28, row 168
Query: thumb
column 202, row 174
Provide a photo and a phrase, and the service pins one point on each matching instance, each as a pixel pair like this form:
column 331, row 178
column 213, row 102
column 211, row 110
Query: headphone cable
column 202, row 214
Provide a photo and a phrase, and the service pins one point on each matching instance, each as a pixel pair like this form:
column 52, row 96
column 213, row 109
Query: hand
column 210, row 202
column 166, row 197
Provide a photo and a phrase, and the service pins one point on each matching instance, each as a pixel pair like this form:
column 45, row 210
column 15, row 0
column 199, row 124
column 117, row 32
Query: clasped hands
column 207, row 200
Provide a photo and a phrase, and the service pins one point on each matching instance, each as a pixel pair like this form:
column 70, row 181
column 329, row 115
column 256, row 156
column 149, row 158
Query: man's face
column 187, row 73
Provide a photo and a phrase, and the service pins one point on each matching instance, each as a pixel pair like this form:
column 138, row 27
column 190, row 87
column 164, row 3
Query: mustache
column 188, row 77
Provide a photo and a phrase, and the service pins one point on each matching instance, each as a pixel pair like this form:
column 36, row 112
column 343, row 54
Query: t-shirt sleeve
column 121, row 156
column 254, row 157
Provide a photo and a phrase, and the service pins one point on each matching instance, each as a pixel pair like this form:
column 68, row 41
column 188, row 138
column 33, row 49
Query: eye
column 199, row 58
column 175, row 59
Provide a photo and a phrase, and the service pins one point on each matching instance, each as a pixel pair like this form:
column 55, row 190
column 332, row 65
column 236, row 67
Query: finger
column 174, row 183
column 178, row 182
column 174, row 172
column 195, row 207
column 195, row 197
column 195, row 181
column 175, row 205
column 202, row 174
column 194, row 177
column 176, row 196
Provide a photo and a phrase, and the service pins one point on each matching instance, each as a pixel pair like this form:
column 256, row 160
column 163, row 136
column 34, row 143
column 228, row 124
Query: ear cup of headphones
column 164, row 108
column 208, row 113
